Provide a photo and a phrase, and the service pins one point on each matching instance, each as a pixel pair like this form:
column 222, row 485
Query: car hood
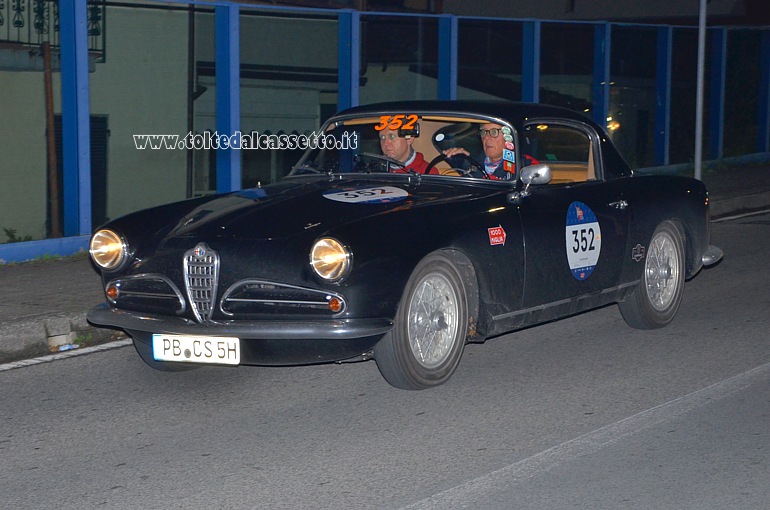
column 321, row 203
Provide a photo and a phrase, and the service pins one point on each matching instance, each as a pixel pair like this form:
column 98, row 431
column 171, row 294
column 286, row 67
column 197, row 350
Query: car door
column 575, row 228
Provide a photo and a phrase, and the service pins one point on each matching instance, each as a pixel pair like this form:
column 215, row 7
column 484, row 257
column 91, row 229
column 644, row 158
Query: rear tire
column 656, row 299
column 427, row 341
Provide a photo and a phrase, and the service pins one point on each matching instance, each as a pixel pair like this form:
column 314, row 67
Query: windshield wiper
column 308, row 167
column 383, row 158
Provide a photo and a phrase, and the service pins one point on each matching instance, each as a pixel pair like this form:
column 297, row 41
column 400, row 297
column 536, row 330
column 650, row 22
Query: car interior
column 566, row 149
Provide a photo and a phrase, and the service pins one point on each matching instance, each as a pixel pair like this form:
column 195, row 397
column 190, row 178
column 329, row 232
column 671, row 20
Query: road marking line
column 739, row 216
column 466, row 495
column 66, row 354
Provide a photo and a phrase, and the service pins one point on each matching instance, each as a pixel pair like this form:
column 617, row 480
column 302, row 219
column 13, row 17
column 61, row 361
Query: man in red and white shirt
column 400, row 148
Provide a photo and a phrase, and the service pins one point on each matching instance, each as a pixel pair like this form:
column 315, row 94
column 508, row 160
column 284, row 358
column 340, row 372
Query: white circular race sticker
column 583, row 240
column 378, row 195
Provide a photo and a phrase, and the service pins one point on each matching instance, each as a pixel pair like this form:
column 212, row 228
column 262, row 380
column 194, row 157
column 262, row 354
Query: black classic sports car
column 516, row 214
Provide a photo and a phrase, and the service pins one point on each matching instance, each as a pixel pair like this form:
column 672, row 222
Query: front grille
column 201, row 269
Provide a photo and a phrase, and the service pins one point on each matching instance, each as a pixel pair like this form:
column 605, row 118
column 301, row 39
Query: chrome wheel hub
column 662, row 271
column 433, row 314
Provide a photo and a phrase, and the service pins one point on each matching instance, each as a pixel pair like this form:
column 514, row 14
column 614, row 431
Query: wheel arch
column 688, row 236
column 471, row 286
column 643, row 310
column 692, row 264
column 423, row 349
column 694, row 232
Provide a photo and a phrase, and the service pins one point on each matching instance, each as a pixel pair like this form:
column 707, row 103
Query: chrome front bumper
column 339, row 329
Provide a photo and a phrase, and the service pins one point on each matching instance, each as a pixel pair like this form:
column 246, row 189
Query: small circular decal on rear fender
column 583, row 240
column 376, row 195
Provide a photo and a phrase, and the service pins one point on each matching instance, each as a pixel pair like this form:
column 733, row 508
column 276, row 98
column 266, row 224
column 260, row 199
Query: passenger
column 400, row 148
column 494, row 142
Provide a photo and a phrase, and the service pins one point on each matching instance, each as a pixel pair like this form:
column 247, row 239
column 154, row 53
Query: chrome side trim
column 321, row 302
column 566, row 302
column 176, row 294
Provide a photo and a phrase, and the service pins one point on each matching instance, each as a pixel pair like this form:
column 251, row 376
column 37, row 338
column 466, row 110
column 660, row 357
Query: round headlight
column 107, row 249
column 330, row 259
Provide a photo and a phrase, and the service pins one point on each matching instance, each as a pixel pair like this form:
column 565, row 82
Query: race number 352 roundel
column 583, row 240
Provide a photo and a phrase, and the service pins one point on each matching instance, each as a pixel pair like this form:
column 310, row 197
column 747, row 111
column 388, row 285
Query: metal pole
column 191, row 86
column 50, row 131
column 697, row 163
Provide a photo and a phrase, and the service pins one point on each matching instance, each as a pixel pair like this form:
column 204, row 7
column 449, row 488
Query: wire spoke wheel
column 431, row 325
column 655, row 301
column 661, row 272
column 433, row 314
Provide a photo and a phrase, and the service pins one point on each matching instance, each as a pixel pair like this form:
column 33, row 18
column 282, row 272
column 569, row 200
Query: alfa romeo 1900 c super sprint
column 356, row 255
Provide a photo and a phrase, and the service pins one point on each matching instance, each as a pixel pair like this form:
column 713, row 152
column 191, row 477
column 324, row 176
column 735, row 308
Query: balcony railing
column 34, row 22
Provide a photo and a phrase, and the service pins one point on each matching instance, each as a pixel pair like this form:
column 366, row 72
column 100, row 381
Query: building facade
column 106, row 107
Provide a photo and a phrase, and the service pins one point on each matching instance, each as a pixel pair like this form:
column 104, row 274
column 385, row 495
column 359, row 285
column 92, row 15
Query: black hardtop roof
column 514, row 112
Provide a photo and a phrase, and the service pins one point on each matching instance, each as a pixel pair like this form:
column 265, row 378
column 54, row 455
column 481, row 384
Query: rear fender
column 686, row 207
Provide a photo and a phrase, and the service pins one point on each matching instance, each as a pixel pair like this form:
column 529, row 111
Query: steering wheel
column 465, row 172
column 381, row 158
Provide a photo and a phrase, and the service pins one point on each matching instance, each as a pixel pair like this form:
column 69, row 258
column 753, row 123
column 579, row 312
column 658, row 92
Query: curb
column 739, row 204
column 33, row 337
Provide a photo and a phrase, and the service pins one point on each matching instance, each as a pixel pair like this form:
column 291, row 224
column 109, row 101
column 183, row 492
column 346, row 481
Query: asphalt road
column 580, row 413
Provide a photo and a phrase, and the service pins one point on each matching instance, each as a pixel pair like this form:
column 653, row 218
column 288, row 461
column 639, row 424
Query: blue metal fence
column 74, row 19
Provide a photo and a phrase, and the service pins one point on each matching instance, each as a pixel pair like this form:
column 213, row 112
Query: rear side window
column 550, row 142
column 567, row 150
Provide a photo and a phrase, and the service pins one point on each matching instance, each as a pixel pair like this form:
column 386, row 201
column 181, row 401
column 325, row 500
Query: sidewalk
column 45, row 302
column 44, row 307
column 737, row 189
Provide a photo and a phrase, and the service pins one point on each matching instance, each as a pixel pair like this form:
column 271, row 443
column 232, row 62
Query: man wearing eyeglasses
column 493, row 140
column 400, row 148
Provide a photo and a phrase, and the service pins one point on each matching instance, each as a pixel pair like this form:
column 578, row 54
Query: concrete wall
column 23, row 160
column 142, row 88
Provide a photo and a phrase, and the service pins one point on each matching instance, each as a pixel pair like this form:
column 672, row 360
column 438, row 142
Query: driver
column 492, row 139
column 400, row 149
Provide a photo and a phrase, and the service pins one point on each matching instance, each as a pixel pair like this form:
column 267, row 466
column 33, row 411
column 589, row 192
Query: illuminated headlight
column 107, row 248
column 330, row 259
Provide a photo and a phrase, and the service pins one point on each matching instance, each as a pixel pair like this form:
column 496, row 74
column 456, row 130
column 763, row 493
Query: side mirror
column 535, row 174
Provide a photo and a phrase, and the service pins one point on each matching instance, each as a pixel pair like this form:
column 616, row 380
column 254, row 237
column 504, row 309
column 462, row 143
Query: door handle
column 620, row 204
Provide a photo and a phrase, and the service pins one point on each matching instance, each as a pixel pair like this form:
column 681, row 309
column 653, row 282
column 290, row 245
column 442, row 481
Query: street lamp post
column 697, row 162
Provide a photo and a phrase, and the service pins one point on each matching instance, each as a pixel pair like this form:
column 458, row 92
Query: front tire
column 656, row 299
column 425, row 346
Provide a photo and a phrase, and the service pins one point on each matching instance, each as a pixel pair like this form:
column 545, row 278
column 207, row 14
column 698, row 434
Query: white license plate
column 197, row 349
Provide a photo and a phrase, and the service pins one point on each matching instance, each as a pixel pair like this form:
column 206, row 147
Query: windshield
column 430, row 144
